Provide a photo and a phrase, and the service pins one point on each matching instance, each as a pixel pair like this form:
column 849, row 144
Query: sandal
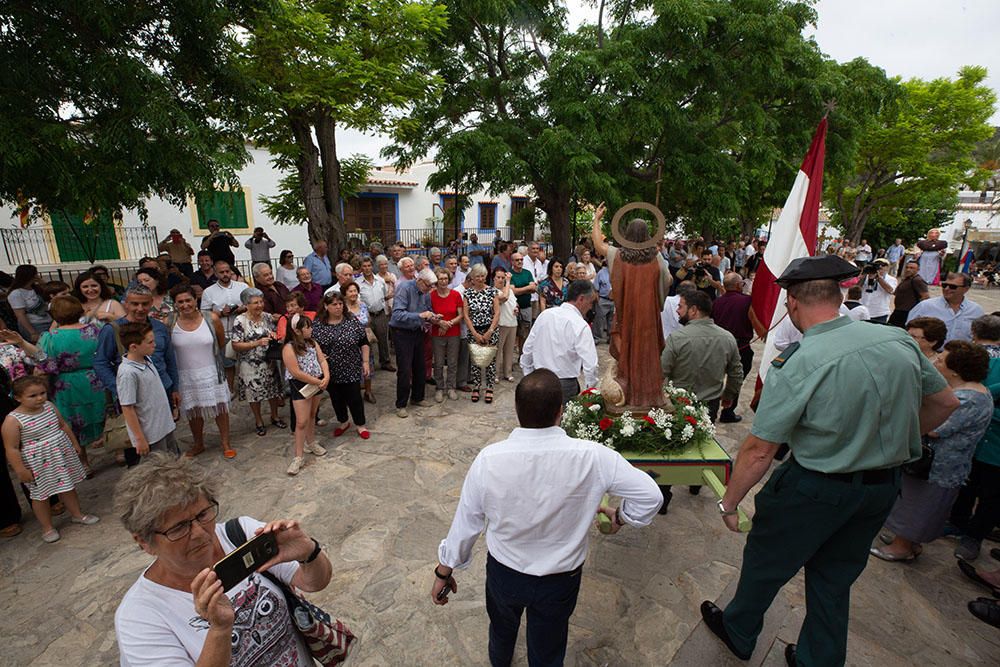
column 489, row 396
column 229, row 453
column 475, row 395
column 886, row 555
column 278, row 423
column 261, row 430
column 194, row 451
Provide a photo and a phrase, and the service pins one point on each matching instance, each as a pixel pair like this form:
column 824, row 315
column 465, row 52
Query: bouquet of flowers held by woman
column 673, row 427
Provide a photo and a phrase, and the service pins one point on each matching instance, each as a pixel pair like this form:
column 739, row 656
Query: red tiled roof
column 389, row 181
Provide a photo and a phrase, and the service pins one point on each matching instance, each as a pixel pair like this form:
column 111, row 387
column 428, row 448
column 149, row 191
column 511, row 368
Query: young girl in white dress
column 44, row 454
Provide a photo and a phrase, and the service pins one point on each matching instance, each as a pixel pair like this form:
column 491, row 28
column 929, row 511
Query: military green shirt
column 848, row 398
column 702, row 357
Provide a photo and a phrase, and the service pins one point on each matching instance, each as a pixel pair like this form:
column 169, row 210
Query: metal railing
column 40, row 246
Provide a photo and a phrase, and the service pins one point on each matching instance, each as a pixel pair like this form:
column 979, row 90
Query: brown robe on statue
column 637, row 331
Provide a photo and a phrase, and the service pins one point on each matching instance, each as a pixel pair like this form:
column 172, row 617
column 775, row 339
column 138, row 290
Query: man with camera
column 707, row 276
column 877, row 288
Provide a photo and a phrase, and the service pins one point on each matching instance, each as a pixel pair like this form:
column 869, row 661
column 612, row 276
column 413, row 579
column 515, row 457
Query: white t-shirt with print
column 156, row 625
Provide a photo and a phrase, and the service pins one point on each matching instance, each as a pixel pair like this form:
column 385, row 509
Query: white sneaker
column 296, row 465
column 421, row 404
column 439, row 396
column 402, row 413
column 452, row 394
column 321, row 422
column 315, row 449
column 86, row 519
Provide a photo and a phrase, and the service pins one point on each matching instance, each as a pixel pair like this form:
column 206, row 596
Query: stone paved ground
column 382, row 506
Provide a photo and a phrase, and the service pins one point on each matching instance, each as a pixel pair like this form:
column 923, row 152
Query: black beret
column 827, row 267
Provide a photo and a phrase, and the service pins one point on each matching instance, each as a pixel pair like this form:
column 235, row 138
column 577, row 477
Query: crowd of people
column 188, row 337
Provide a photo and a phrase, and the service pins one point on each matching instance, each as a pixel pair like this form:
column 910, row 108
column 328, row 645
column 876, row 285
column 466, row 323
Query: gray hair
column 139, row 290
column 381, row 259
column 259, row 267
column 434, row 250
column 405, row 259
column 986, row 328
column 249, row 294
column 427, row 276
column 337, row 269
column 162, row 483
column 477, row 270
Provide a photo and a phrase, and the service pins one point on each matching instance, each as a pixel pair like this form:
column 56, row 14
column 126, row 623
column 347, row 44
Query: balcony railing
column 42, row 245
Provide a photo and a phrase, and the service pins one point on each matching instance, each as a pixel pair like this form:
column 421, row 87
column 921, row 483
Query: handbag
column 115, row 431
column 230, row 350
column 329, row 640
column 921, row 468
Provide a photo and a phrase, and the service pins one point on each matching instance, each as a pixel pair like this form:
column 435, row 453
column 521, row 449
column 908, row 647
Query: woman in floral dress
column 257, row 378
column 76, row 391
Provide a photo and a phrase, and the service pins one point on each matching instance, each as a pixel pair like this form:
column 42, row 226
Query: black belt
column 867, row 477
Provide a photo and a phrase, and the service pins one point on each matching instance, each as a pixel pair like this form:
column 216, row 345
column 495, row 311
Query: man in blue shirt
column 951, row 307
column 109, row 352
column 895, row 255
column 318, row 264
column 476, row 252
column 605, row 306
column 411, row 311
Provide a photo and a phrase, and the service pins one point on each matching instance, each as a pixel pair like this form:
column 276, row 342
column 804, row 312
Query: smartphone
column 243, row 561
column 443, row 593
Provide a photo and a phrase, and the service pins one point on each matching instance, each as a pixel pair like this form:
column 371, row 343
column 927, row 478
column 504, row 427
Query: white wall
column 416, row 204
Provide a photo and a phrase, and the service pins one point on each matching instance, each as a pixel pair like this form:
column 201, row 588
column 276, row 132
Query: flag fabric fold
column 793, row 235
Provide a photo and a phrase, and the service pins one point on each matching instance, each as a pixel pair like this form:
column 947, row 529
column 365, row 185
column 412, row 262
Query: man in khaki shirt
column 703, row 358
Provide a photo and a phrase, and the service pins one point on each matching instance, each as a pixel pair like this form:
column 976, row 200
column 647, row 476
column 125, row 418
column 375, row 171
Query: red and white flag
column 793, row 235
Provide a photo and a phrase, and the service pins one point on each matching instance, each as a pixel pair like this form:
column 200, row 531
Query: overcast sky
column 923, row 39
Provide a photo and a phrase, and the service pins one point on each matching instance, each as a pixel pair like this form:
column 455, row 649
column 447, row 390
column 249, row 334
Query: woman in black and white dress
column 482, row 317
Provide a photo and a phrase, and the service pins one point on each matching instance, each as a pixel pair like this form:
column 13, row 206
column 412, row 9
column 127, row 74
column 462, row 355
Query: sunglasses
column 950, row 286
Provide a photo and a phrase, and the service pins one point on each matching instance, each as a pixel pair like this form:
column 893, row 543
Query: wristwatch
column 724, row 512
column 314, row 554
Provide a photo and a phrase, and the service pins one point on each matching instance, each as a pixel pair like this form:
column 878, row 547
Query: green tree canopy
column 914, row 154
column 330, row 63
column 722, row 95
column 104, row 104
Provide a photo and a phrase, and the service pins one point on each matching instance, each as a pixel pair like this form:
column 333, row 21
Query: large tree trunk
column 334, row 229
column 320, row 182
column 556, row 206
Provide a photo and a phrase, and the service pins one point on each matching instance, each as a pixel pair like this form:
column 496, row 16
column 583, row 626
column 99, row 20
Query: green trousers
column 804, row 519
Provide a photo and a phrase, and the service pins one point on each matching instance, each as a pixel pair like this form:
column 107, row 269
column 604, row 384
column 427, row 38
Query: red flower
column 684, row 400
column 606, row 423
column 691, row 420
column 649, row 420
column 587, row 392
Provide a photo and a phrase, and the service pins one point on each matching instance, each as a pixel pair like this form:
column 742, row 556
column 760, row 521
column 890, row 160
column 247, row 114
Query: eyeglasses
column 950, row 286
column 183, row 529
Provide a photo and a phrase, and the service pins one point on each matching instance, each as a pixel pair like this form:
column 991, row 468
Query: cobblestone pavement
column 381, row 506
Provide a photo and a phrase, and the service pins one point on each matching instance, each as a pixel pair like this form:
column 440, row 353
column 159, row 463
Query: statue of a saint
column 640, row 280
column 930, row 253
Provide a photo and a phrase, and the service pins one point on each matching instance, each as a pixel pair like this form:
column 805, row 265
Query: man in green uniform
column 851, row 400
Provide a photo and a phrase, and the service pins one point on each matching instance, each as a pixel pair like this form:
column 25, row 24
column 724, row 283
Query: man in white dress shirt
column 561, row 341
column 535, row 495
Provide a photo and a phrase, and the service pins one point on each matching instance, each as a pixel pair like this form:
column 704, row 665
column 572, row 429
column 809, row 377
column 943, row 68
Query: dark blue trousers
column 550, row 601
column 410, row 368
